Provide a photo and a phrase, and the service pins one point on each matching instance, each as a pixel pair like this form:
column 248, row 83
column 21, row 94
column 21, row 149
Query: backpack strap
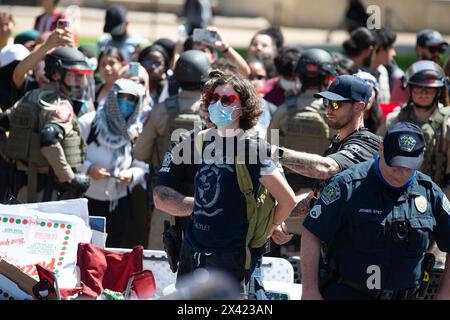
column 246, row 187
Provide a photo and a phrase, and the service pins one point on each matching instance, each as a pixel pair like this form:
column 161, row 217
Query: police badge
column 421, row 204
column 406, row 143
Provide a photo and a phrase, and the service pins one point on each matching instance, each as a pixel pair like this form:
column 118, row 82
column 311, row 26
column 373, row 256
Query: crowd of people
column 244, row 155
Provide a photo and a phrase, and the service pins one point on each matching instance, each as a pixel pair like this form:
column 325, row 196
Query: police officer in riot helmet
column 301, row 120
column 71, row 74
column 44, row 143
column 426, row 108
column 314, row 69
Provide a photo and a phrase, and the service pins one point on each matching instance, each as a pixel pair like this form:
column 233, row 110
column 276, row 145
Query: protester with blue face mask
column 219, row 232
column 109, row 133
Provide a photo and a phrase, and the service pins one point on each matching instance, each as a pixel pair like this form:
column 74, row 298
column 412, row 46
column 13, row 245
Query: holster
column 327, row 272
column 427, row 267
column 172, row 244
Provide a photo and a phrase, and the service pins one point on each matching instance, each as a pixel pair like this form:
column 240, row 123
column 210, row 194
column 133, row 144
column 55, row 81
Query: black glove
column 80, row 182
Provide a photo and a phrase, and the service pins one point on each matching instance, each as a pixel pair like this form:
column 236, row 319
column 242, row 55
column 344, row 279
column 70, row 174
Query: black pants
column 232, row 263
column 117, row 221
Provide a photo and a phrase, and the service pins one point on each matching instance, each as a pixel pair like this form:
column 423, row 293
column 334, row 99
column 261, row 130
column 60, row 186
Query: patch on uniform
column 63, row 111
column 167, row 159
column 331, row 193
column 446, row 204
column 353, row 147
column 421, row 204
column 315, row 211
column 406, row 143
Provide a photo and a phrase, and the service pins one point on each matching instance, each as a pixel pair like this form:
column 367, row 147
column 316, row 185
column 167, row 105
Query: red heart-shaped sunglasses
column 226, row 99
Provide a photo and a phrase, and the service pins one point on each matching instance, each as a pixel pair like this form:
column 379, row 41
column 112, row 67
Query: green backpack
column 260, row 210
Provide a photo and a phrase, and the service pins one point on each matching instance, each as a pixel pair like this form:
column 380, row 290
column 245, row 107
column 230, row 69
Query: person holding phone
column 109, row 163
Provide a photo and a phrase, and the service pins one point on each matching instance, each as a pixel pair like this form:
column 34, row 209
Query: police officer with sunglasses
column 344, row 101
column 430, row 45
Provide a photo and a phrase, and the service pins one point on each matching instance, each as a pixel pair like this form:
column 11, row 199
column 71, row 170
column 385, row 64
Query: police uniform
column 366, row 226
column 57, row 144
column 437, row 137
column 359, row 146
column 293, row 136
column 154, row 141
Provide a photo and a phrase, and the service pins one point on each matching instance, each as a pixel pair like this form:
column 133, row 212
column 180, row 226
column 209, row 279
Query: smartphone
column 134, row 69
column 63, row 23
column 204, row 36
column 114, row 176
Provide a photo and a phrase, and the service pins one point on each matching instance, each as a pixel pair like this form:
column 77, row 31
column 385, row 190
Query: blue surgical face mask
column 219, row 115
column 126, row 107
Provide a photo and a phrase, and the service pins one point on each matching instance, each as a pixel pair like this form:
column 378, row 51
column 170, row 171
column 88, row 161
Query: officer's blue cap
column 403, row 146
column 347, row 88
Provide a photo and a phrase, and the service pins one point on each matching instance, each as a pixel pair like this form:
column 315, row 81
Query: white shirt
column 107, row 189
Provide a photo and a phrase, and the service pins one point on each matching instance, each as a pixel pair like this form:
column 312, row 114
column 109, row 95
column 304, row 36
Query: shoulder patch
column 353, row 147
column 316, row 211
column 64, row 111
column 331, row 193
column 446, row 204
column 167, row 159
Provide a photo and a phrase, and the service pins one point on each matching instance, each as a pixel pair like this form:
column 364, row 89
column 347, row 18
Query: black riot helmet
column 76, row 76
column 314, row 63
column 192, row 69
column 65, row 58
column 425, row 73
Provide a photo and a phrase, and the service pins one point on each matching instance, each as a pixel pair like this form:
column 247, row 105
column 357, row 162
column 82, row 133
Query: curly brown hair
column 250, row 100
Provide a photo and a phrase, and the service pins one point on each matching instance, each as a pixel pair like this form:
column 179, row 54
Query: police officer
column 301, row 120
column 426, row 107
column 430, row 45
column 179, row 111
column 44, row 139
column 376, row 220
column 345, row 102
column 426, row 84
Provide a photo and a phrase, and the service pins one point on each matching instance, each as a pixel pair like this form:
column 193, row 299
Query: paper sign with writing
column 32, row 237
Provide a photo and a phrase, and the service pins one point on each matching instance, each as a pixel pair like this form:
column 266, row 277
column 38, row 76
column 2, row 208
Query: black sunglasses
column 440, row 49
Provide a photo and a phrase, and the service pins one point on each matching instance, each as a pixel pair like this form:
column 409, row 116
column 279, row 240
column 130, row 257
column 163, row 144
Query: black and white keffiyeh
column 113, row 131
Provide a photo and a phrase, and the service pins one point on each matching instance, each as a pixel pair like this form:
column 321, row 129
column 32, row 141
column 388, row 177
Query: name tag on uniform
column 421, row 204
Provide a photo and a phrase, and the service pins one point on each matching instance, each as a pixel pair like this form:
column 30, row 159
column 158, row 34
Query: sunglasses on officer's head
column 226, row 99
column 440, row 49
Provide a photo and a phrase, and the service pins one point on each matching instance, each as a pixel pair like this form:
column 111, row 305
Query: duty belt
column 380, row 294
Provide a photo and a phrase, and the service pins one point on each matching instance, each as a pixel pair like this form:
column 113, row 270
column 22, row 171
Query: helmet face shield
column 79, row 84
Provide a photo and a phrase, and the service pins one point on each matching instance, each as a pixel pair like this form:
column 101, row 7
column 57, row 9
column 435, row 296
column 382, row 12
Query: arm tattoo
column 173, row 202
column 309, row 165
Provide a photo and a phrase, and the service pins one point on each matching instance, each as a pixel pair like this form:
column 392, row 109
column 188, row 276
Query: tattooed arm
column 309, row 165
column 172, row 202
